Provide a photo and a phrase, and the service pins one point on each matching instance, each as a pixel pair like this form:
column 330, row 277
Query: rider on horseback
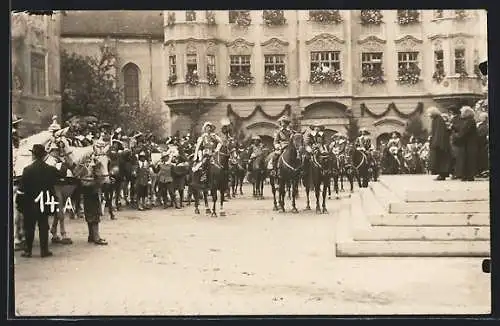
column 394, row 146
column 256, row 148
column 364, row 144
column 314, row 140
column 281, row 139
column 207, row 144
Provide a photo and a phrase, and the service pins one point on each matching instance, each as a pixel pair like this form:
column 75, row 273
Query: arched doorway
column 131, row 84
column 329, row 134
column 384, row 137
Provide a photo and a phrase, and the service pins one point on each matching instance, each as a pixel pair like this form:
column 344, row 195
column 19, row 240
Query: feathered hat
column 225, row 122
column 208, row 123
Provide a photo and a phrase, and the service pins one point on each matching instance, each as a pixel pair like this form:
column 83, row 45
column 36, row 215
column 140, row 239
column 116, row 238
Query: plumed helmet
column 284, row 118
column 206, row 124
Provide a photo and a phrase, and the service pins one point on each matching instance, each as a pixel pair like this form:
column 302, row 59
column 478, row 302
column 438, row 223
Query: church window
column 131, row 84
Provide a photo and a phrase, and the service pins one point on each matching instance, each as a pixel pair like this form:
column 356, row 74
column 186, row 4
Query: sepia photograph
column 249, row 162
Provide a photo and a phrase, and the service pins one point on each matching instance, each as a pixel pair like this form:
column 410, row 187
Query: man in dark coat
column 453, row 125
column 439, row 145
column 466, row 141
column 37, row 178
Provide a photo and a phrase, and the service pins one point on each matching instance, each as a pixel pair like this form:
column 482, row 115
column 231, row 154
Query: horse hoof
column 329, row 197
column 324, row 211
column 196, row 211
column 275, row 208
column 113, row 217
column 318, row 210
column 214, row 214
column 308, row 208
column 337, row 197
column 349, row 196
column 295, row 210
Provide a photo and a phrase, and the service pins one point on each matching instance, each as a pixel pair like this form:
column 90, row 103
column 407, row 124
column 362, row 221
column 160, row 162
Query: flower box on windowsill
column 439, row 75
column 243, row 19
column 212, row 80
column 371, row 17
column 276, row 79
column 375, row 77
column 192, row 79
column 409, row 76
column 239, row 79
column 274, row 18
column 325, row 16
column 326, row 77
column 408, row 17
column 171, row 80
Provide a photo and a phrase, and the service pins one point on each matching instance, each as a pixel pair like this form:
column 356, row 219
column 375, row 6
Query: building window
column 460, row 67
column 240, row 64
column 191, row 65
column 38, row 74
column 131, row 81
column 210, row 64
column 438, row 14
column 274, row 62
column 172, row 65
column 407, row 60
column 325, row 59
column 371, row 61
column 439, row 60
column 190, row 16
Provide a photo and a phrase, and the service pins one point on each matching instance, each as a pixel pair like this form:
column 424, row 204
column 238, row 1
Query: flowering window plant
column 274, row 17
column 460, row 14
column 171, row 19
column 325, row 16
column 407, row 17
column 371, row 17
column 212, row 79
column 439, row 74
column 372, row 76
column 409, row 75
column 325, row 75
column 172, row 79
column 461, row 71
column 276, row 78
column 243, row 19
column 192, row 78
column 240, row 79
column 211, row 18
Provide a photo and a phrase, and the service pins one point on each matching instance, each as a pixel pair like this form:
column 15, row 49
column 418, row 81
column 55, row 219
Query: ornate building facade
column 382, row 66
column 35, row 67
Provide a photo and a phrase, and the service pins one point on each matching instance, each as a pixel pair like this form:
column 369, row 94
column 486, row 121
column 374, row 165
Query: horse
column 391, row 161
column 217, row 181
column 237, row 170
column 105, row 180
column 375, row 167
column 258, row 173
column 318, row 168
column 128, row 169
column 412, row 163
column 180, row 171
column 289, row 167
column 112, row 189
column 361, row 166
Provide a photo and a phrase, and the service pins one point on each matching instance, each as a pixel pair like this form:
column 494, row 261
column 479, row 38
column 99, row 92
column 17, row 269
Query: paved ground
column 254, row 261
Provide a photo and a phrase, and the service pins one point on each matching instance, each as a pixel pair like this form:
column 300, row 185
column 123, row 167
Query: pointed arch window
column 131, row 84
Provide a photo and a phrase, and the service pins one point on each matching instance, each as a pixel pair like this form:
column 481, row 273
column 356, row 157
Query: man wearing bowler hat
column 37, row 185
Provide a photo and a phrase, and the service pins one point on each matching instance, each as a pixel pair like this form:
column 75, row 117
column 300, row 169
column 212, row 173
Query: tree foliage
column 414, row 127
column 90, row 88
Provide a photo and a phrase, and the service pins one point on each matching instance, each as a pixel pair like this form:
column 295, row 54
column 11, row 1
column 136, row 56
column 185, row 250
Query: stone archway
column 330, row 114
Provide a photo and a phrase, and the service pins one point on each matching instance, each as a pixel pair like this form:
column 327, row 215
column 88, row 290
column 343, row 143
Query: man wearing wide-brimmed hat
column 206, row 145
column 281, row 140
column 37, row 178
column 18, row 216
column 256, row 149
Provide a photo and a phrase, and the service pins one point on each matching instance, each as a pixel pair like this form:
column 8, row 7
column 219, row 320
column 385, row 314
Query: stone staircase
column 411, row 216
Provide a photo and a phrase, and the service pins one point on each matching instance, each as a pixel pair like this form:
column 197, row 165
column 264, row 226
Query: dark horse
column 237, row 170
column 361, row 166
column 258, row 173
column 128, row 171
column 289, row 168
column 318, row 168
column 217, row 181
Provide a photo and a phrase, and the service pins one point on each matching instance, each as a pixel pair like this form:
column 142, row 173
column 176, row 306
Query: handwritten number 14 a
column 48, row 201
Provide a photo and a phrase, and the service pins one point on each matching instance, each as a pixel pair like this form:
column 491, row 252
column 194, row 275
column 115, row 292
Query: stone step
column 384, row 195
column 440, row 207
column 447, row 195
column 431, row 233
column 429, row 219
column 413, row 249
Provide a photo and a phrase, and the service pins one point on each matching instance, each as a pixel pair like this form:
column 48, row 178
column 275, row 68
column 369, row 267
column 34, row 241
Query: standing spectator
column 439, row 145
column 453, row 124
column 466, row 141
column 482, row 141
column 38, row 178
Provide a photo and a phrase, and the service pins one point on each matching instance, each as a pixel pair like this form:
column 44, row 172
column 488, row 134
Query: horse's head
column 297, row 140
column 100, row 166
